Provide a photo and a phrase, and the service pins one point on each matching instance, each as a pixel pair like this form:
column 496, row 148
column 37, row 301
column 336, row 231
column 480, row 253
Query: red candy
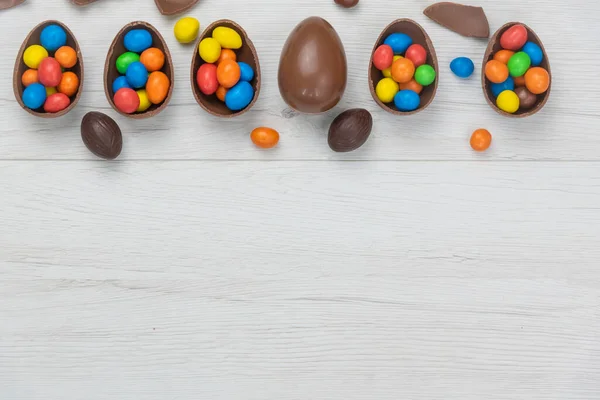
column 383, row 57
column 56, row 102
column 417, row 54
column 514, row 38
column 127, row 100
column 206, row 78
column 49, row 72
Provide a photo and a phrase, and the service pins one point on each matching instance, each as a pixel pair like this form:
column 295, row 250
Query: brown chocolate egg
column 5, row 4
column 111, row 73
column 20, row 68
column 82, row 2
column 172, row 7
column 350, row 130
column 101, row 135
column 419, row 36
column 346, row 3
column 312, row 69
column 493, row 47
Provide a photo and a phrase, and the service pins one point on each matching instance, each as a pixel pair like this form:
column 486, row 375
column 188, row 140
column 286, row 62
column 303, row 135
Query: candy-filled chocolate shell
column 172, row 7
column 493, row 47
column 419, row 36
column 247, row 53
column 34, row 38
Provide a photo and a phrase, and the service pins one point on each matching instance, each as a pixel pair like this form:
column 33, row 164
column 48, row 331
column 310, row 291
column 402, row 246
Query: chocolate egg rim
column 110, row 63
column 431, row 54
column 246, row 41
column 489, row 55
column 20, row 68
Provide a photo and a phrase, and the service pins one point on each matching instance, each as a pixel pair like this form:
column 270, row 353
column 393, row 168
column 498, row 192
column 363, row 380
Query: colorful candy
column 518, row 64
column 69, row 83
column 153, row 59
column 120, row 82
column 495, row 71
column 137, row 75
column 497, row 88
column 144, row 101
column 265, row 138
column 56, row 102
column 239, row 96
column 411, row 85
column 535, row 53
column 137, row 40
column 206, row 78
column 407, row 100
column 246, row 72
column 425, row 75
column 386, row 89
column 399, row 42
column 508, row 101
column 30, row 76
column 462, row 67
column 34, row 96
column 503, row 56
column 49, row 72
column 417, row 54
column 209, row 50
column 514, row 38
column 526, row 99
column 403, row 70
column 157, row 87
column 537, row 80
column 126, row 100
column 66, row 57
column 383, row 57
column 126, row 59
column 481, row 140
column 53, row 37
column 186, row 30
column 33, row 55
column 228, row 38
column 228, row 73
column 226, row 54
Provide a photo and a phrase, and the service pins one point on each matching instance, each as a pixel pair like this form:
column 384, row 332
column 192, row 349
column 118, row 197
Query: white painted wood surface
column 197, row 267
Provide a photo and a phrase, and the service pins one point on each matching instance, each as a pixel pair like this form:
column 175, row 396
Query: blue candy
column 137, row 40
column 534, row 52
column 497, row 88
column 137, row 75
column 407, row 100
column 119, row 83
column 239, row 96
column 246, row 72
column 53, row 37
column 462, row 67
column 34, row 96
column 399, row 42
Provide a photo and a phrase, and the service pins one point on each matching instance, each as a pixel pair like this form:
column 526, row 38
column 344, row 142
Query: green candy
column 125, row 59
column 518, row 64
column 425, row 75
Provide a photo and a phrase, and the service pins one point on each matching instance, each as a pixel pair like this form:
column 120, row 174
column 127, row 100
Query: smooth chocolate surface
column 493, row 47
column 347, row 3
column 20, row 68
column 350, row 130
column 4, row 4
column 111, row 73
column 419, row 36
column 172, row 7
column 82, row 2
column 312, row 69
column 247, row 53
column 465, row 20
column 101, row 135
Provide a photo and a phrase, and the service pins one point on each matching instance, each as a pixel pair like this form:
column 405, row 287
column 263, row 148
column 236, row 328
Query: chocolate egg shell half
column 111, row 73
column 20, row 67
column 172, row 7
column 247, row 53
column 6, row 4
column 313, row 70
column 419, row 36
column 493, row 47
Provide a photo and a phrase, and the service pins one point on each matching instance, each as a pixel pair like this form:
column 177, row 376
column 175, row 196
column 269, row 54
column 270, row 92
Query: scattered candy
column 417, row 54
column 66, row 57
column 34, row 96
column 386, row 90
column 186, row 30
column 239, row 96
column 127, row 100
column 56, row 102
column 399, row 42
column 228, row 38
column 264, row 138
column 508, row 101
column 497, row 88
column 407, row 100
column 462, row 67
column 518, row 64
column 137, row 75
column 495, row 71
column 425, row 75
column 49, row 72
column 153, row 59
column 481, row 140
column 383, row 57
column 537, row 80
column 53, row 37
column 137, row 40
column 535, row 53
column 33, row 55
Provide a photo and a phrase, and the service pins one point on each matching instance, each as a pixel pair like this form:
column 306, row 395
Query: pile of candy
column 48, row 82
column 222, row 75
column 405, row 71
column 142, row 83
column 514, row 72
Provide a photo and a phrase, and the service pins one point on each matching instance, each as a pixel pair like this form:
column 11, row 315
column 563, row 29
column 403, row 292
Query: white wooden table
column 199, row 267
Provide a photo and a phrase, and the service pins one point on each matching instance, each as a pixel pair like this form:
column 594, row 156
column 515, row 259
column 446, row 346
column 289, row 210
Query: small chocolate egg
column 350, row 130
column 101, row 135
column 347, row 3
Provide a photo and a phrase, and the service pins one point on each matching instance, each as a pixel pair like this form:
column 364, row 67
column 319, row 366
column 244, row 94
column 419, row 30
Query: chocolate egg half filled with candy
column 59, row 64
column 312, row 69
column 138, row 73
column 225, row 73
column 406, row 83
column 517, row 53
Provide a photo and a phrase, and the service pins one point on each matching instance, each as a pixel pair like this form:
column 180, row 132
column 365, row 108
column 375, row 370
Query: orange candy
column 519, row 81
column 411, row 85
column 226, row 54
column 264, row 138
column 66, row 57
column 157, row 87
column 221, row 92
column 495, row 71
column 537, row 80
column 69, row 83
column 228, row 73
column 503, row 56
column 30, row 76
column 153, row 59
column 481, row 140
column 403, row 70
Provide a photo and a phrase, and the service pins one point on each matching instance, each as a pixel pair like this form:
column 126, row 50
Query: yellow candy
column 227, row 37
column 386, row 90
column 508, row 101
column 209, row 50
column 144, row 102
column 388, row 71
column 34, row 55
column 186, row 30
column 50, row 91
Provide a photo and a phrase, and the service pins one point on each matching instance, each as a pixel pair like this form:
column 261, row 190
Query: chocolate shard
column 4, row 4
column 465, row 20
column 172, row 7
column 82, row 2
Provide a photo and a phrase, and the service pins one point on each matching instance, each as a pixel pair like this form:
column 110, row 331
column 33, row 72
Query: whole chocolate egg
column 312, row 68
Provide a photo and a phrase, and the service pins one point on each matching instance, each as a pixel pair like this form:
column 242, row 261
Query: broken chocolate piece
column 4, row 4
column 82, row 2
column 171, row 7
column 465, row 20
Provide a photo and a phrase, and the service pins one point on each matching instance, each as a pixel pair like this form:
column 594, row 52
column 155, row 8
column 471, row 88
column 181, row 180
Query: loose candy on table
column 186, row 30
column 508, row 101
column 481, row 139
column 53, row 37
column 462, row 67
column 264, row 137
column 497, row 88
column 137, row 40
column 407, row 100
